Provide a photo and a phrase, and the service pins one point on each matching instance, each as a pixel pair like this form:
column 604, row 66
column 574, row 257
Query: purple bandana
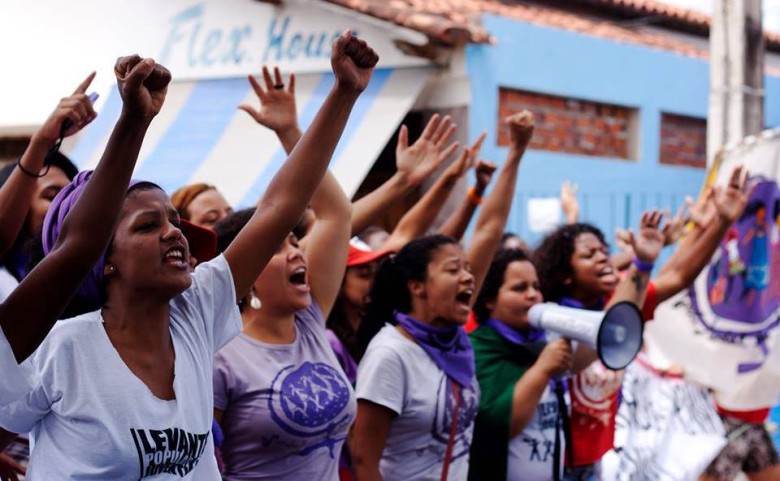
column 449, row 347
column 569, row 302
column 65, row 200
column 514, row 336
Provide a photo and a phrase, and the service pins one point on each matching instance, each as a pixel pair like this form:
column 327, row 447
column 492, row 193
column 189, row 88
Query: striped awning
column 201, row 136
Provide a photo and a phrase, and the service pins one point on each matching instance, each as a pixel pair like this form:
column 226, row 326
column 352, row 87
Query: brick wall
column 683, row 140
column 571, row 125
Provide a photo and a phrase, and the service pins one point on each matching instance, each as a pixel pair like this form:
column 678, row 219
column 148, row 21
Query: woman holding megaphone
column 520, row 430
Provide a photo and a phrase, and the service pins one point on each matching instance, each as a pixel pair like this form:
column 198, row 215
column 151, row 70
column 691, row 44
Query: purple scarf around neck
column 569, row 302
column 449, row 347
column 514, row 336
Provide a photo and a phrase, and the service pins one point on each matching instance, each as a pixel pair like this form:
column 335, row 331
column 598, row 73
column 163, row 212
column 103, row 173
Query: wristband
column 643, row 266
column 473, row 196
column 31, row 174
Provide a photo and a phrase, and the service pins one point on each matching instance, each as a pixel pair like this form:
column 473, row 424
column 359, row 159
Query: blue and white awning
column 201, row 136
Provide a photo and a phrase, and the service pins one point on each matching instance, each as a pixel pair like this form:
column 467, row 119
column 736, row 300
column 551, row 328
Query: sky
column 771, row 10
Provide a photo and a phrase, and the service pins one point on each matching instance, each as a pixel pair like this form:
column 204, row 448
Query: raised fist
column 142, row 84
column 521, row 128
column 353, row 62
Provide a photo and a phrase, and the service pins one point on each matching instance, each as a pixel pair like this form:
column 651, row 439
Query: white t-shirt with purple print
column 398, row 374
column 287, row 408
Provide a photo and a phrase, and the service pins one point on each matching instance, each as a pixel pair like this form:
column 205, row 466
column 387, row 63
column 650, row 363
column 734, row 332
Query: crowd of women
column 296, row 340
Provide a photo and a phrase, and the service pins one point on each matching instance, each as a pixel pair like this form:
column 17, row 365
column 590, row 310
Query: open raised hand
column 142, row 84
column 648, row 244
column 521, row 129
column 459, row 167
column 77, row 108
column 569, row 203
column 422, row 158
column 353, row 62
column 277, row 102
column 675, row 227
column 731, row 201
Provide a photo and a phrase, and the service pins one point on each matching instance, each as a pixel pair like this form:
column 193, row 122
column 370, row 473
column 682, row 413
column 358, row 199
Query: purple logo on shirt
column 741, row 297
column 309, row 401
column 445, row 414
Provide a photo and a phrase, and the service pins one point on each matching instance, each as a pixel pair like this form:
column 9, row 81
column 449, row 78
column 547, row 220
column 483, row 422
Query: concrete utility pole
column 736, row 73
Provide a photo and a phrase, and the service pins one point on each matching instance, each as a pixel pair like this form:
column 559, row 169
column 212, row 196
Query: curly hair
column 390, row 292
column 553, row 258
column 495, row 279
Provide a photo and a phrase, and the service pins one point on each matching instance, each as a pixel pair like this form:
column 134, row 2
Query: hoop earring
column 254, row 302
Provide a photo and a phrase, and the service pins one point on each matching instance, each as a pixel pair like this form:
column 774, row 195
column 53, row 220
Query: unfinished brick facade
column 570, row 125
column 683, row 140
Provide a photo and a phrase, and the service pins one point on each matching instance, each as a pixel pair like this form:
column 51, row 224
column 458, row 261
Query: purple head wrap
column 90, row 289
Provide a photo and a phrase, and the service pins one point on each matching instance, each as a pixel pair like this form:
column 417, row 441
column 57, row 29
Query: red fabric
column 595, row 396
column 651, row 302
column 471, row 324
column 594, row 405
column 753, row 417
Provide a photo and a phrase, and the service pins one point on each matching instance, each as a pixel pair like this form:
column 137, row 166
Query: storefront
column 210, row 47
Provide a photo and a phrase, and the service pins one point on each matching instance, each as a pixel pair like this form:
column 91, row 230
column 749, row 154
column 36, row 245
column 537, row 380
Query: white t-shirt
column 91, row 418
column 287, row 408
column 7, row 283
column 13, row 384
column 398, row 374
column 531, row 453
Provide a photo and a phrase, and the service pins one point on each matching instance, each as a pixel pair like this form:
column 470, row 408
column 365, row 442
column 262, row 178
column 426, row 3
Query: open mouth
column 298, row 277
column 464, row 297
column 607, row 274
column 175, row 256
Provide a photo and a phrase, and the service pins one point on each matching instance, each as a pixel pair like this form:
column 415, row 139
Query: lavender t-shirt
column 287, row 407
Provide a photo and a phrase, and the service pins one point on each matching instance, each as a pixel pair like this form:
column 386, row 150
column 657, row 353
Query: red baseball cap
column 202, row 241
column 360, row 253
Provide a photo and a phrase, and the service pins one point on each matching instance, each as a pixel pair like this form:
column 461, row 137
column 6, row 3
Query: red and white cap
column 360, row 253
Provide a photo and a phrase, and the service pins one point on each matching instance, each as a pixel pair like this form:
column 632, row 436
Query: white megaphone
column 616, row 334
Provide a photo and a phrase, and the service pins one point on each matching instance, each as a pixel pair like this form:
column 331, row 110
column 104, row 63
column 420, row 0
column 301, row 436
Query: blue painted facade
column 613, row 192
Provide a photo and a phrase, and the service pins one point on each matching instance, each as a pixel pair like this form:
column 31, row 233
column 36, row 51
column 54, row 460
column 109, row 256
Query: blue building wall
column 613, row 193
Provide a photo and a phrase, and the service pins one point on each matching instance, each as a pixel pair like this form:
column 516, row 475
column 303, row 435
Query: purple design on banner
column 449, row 347
column 309, row 401
column 742, row 297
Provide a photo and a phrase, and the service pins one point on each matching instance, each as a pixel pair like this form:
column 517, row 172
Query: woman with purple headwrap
column 26, row 318
column 125, row 392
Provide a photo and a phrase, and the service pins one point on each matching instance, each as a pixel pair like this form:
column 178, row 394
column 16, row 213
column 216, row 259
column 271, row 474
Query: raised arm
column 327, row 244
column 292, row 187
column 495, row 209
column 695, row 253
column 16, row 193
column 87, row 229
column 458, row 222
column 416, row 222
column 414, row 164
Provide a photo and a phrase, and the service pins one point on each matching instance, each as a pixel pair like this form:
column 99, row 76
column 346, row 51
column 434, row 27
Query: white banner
column 723, row 330
column 667, row 430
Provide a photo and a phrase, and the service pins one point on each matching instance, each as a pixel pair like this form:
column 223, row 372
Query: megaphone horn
column 616, row 334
